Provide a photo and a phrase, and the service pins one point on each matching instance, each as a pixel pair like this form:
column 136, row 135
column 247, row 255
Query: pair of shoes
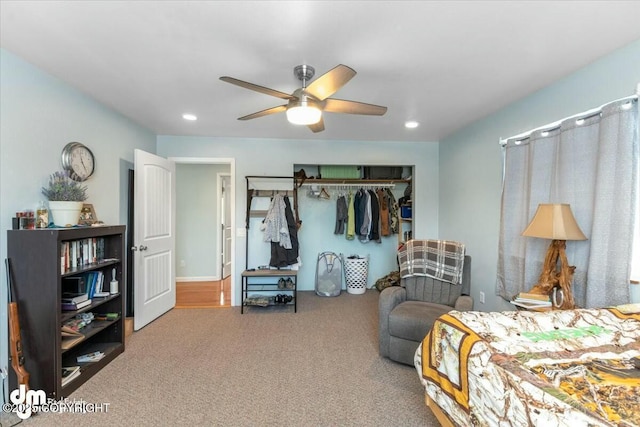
column 288, row 283
column 282, row 299
column 282, row 284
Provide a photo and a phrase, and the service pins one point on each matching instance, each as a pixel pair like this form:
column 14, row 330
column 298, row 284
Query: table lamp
column 556, row 222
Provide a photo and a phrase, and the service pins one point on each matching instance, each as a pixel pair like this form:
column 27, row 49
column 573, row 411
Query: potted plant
column 66, row 198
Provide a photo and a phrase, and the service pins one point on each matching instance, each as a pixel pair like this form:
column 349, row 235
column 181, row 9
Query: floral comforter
column 521, row 368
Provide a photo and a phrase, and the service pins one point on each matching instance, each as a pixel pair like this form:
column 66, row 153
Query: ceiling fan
column 306, row 104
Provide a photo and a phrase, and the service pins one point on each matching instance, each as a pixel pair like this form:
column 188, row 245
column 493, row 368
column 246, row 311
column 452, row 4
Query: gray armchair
column 407, row 312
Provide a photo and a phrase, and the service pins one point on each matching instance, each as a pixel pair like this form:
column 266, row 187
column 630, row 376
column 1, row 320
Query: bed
column 523, row 368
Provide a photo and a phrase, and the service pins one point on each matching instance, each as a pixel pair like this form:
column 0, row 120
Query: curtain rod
column 584, row 115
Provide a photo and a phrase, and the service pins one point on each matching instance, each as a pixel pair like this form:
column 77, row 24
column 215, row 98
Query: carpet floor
column 266, row 367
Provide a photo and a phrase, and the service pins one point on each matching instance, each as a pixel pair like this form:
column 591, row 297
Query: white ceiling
column 442, row 63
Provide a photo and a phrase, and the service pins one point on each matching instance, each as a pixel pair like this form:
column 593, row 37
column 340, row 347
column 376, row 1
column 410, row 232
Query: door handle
column 143, row 248
column 134, row 248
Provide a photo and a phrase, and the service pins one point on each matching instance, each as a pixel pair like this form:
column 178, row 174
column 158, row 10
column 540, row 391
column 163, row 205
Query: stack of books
column 532, row 301
column 75, row 301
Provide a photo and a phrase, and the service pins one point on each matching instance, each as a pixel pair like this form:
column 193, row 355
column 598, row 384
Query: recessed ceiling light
column 411, row 124
column 189, row 117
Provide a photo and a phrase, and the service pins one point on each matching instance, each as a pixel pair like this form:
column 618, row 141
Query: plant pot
column 65, row 214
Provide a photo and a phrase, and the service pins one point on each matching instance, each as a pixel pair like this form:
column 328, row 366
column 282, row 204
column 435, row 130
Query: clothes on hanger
column 274, row 225
column 351, row 218
column 369, row 214
column 282, row 256
column 374, row 228
column 341, row 215
column 383, row 200
column 365, row 208
column 394, row 224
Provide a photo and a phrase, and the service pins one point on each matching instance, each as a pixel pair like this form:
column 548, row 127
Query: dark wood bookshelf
column 37, row 269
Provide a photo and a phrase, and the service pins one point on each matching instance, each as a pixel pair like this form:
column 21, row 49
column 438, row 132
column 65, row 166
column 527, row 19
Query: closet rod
column 350, row 185
column 270, row 193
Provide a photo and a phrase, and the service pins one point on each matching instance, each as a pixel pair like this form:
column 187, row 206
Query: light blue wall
column 471, row 162
column 198, row 221
column 39, row 115
column 278, row 157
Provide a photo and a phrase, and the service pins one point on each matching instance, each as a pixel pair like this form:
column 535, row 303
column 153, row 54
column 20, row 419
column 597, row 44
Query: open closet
column 318, row 202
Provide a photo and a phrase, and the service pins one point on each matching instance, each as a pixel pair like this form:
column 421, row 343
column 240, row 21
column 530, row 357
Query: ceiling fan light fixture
column 304, row 111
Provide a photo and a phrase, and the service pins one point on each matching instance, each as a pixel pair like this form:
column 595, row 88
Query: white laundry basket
column 356, row 270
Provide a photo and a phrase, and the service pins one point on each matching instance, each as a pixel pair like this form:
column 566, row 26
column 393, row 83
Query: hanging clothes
column 374, row 229
column 280, row 255
column 365, row 207
column 360, row 209
column 394, row 224
column 341, row 215
column 383, row 200
column 351, row 219
column 274, row 225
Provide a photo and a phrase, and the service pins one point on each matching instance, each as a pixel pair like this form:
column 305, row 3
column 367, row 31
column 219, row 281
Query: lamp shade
column 554, row 221
column 304, row 111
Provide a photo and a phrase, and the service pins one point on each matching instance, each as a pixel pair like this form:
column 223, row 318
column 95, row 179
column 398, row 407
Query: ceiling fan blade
column 317, row 127
column 333, row 105
column 257, row 88
column 329, row 83
column 272, row 110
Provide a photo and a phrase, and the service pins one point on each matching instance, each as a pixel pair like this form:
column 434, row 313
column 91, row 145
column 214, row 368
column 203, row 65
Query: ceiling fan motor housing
column 304, row 73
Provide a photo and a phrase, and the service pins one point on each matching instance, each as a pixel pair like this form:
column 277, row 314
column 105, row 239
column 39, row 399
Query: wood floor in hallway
column 204, row 294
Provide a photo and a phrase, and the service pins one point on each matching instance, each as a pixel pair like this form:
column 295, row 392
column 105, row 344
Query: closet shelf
column 355, row 181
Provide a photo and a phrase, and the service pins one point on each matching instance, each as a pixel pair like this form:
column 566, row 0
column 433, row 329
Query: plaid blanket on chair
column 440, row 259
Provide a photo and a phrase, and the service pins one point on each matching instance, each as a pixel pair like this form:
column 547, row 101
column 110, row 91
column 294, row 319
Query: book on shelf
column 74, row 297
column 529, row 295
column 71, row 306
column 70, row 337
column 532, row 306
column 69, row 373
column 80, row 253
column 90, row 357
column 532, row 301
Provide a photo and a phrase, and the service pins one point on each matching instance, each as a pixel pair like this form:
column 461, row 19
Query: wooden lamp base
column 551, row 278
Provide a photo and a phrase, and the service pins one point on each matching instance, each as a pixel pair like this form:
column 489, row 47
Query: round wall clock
column 78, row 160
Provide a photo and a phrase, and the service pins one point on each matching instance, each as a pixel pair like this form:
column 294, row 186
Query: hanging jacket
column 374, row 229
column 360, row 209
column 383, row 200
column 275, row 223
column 351, row 219
column 365, row 229
column 341, row 215
column 281, row 256
column 394, row 224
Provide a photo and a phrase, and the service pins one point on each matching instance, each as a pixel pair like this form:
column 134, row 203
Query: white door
column 226, row 225
column 154, row 237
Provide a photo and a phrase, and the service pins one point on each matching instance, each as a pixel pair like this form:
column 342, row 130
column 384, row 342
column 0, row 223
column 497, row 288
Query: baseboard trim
column 198, row 279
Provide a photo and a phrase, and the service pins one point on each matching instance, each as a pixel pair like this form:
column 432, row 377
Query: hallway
column 204, row 294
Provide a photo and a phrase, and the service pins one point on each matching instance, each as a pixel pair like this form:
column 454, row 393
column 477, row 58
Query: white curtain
column 590, row 162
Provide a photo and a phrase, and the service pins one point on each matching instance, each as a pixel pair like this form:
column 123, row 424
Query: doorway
column 201, row 278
